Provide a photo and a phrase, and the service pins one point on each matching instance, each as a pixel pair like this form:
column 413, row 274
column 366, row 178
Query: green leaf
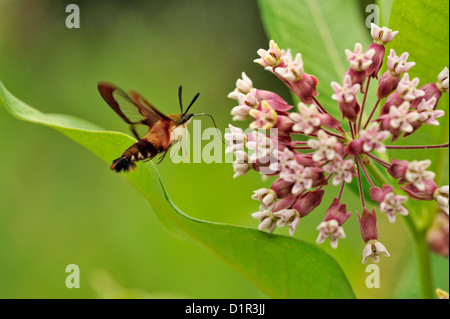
column 424, row 34
column 281, row 266
column 320, row 31
column 409, row 285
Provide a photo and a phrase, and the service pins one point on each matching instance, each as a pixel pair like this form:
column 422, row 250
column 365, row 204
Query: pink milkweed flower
column 241, row 165
column 246, row 103
column 388, row 201
column 270, row 57
column 359, row 62
column 343, row 170
column 372, row 138
column 400, row 119
column 243, row 86
column 391, row 78
column 324, row 146
column 428, row 191
column 438, row 235
column 380, row 36
column 289, row 217
column 413, row 172
column 291, row 72
column 308, row 119
column 236, row 138
column 261, row 145
column 383, row 35
column 331, row 227
column 265, row 118
column 434, row 89
column 292, row 69
column 302, row 178
column 286, row 159
column 369, row 140
column 398, row 65
column 373, row 250
column 286, row 214
column 267, row 221
column 305, row 178
column 416, row 173
column 441, row 196
column 427, row 113
column 398, row 168
column 289, row 210
column 369, row 233
column 267, row 197
column 392, row 204
column 406, row 91
column 442, row 83
column 345, row 95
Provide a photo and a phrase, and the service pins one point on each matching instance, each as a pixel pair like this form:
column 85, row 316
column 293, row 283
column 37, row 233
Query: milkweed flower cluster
column 336, row 151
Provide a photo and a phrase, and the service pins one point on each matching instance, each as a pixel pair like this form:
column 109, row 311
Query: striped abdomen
column 142, row 149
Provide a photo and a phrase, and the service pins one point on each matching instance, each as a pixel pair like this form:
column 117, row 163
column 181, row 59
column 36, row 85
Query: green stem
column 424, row 264
column 378, row 176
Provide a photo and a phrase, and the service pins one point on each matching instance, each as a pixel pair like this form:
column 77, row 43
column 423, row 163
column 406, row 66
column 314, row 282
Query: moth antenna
column 218, row 131
column 180, row 98
column 193, row 100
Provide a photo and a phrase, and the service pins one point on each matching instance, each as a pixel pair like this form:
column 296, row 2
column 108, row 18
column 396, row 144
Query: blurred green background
column 61, row 205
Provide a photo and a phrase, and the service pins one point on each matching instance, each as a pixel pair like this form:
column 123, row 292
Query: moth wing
column 140, row 100
column 133, row 112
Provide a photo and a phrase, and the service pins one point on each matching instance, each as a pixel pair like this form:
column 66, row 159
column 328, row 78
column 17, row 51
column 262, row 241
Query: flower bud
column 338, row 212
column 427, row 193
column 368, row 225
column 282, row 188
column 275, row 101
column 377, row 60
column 387, row 83
column 308, row 202
column 437, row 235
column 378, row 194
column 305, row 89
column 398, row 168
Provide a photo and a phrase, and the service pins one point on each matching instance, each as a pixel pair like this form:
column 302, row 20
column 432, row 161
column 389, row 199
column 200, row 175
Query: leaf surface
column 283, row 267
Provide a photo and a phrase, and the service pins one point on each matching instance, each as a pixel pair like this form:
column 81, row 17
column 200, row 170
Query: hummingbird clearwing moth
column 155, row 131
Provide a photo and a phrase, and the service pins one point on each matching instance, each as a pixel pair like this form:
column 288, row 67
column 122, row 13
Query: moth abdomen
column 139, row 151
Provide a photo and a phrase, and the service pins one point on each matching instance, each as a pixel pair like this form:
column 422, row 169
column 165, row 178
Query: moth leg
column 135, row 133
column 162, row 156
